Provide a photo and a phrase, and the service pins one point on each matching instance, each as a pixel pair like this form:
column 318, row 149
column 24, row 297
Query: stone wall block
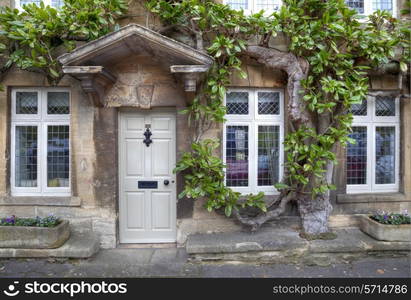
column 104, row 226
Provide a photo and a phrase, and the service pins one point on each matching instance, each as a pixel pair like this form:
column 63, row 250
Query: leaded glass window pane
column 58, row 103
column 26, row 103
column 382, row 5
column 58, row 156
column 385, row 155
column 268, row 5
column 237, row 103
column 359, row 109
column 238, row 4
column 268, row 155
column 26, row 156
column 268, row 103
column 357, row 156
column 237, row 155
column 384, row 106
column 358, row 5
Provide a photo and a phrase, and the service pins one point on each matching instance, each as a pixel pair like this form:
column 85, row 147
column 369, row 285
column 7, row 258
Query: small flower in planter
column 385, row 226
column 392, row 218
column 49, row 221
column 11, row 220
column 16, row 232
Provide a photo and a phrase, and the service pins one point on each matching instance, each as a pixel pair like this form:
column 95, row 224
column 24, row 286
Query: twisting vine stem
column 329, row 51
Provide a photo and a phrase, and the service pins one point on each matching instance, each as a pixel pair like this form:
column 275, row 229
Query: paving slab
column 79, row 245
column 267, row 239
column 110, row 265
column 285, row 245
column 125, row 257
column 354, row 240
column 167, row 255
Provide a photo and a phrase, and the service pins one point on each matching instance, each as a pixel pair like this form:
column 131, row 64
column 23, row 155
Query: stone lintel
column 387, row 93
column 82, row 69
column 189, row 68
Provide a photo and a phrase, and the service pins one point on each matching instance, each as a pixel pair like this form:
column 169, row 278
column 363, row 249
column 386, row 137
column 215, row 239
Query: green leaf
column 54, row 73
column 281, row 186
column 403, row 67
column 228, row 210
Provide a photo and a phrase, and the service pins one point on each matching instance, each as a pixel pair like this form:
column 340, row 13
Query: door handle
column 147, row 134
column 166, row 182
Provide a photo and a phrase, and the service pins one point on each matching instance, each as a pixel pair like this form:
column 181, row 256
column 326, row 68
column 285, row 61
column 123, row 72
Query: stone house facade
column 99, row 148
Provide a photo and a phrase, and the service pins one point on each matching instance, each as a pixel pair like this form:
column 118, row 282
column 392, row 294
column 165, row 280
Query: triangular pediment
column 134, row 39
column 94, row 64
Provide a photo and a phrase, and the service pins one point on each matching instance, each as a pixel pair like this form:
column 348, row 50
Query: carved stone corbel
column 190, row 75
column 94, row 81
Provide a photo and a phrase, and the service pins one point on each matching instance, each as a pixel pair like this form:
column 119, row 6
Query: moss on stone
column 321, row 236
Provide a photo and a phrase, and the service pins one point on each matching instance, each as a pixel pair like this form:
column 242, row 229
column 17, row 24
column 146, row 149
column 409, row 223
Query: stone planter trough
column 383, row 232
column 34, row 237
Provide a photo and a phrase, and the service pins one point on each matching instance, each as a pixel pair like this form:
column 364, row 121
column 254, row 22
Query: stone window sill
column 40, row 201
column 372, row 198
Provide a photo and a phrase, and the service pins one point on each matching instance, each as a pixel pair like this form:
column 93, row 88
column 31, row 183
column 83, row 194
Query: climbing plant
column 330, row 53
column 329, row 56
column 32, row 38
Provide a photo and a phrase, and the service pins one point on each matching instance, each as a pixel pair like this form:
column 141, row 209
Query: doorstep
column 284, row 245
column 79, row 245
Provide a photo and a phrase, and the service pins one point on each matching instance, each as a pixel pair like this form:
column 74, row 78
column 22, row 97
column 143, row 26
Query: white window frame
column 46, row 2
column 42, row 120
column 253, row 120
column 371, row 121
column 252, row 7
column 368, row 10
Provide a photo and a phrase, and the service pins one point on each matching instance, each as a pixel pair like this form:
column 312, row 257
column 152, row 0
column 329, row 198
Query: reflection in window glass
column 268, row 103
column 237, row 103
column 268, row 155
column 384, row 106
column 58, row 156
column 237, row 155
column 385, row 155
column 26, row 156
column 357, row 157
column 359, row 109
column 26, row 103
column 58, row 103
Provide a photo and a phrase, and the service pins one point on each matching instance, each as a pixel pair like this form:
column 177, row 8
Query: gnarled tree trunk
column 314, row 212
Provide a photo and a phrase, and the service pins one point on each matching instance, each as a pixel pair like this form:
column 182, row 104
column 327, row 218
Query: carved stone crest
column 144, row 95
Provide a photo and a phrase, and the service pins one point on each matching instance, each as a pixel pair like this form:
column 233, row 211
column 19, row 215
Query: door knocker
column 147, row 134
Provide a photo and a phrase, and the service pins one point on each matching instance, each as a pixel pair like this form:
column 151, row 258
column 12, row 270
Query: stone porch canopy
column 90, row 63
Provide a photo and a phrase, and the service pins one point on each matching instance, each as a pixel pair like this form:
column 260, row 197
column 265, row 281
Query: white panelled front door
column 147, row 184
